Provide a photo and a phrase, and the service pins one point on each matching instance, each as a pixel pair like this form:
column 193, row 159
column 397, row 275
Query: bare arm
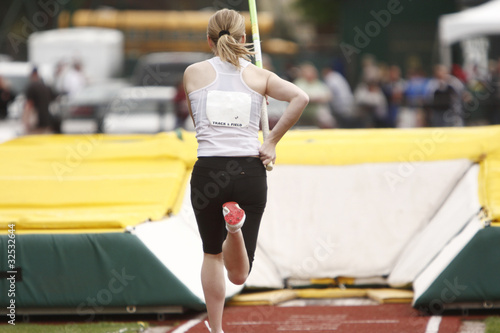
column 284, row 91
column 189, row 105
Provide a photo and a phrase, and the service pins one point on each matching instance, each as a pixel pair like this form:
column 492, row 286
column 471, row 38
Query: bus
column 148, row 31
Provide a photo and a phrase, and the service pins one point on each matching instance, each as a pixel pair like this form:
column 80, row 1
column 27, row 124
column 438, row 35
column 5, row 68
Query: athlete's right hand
column 267, row 153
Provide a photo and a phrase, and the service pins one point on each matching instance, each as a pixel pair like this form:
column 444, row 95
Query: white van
column 98, row 50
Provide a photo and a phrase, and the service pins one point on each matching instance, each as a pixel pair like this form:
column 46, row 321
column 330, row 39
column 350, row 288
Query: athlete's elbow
column 302, row 99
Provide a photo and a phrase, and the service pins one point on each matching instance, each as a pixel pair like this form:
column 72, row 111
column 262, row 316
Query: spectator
column 394, row 89
column 181, row 107
column 6, row 97
column 291, row 72
column 494, row 100
column 59, row 74
column 370, row 102
column 370, row 70
column 74, row 79
column 478, row 89
column 413, row 113
column 342, row 101
column 317, row 112
column 459, row 73
column 36, row 116
column 444, row 99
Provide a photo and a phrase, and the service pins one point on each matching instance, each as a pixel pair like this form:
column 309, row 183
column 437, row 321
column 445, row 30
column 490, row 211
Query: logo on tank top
column 228, row 108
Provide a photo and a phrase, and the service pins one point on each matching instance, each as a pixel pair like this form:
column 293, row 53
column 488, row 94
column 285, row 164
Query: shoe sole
column 233, row 215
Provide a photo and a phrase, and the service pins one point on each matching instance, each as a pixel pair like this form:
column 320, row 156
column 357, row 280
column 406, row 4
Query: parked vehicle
column 5, row 58
column 84, row 111
column 98, row 50
column 148, row 31
column 141, row 110
column 17, row 74
column 164, row 68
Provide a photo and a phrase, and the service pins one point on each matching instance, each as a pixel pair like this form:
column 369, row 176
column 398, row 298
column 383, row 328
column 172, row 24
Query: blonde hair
column 226, row 28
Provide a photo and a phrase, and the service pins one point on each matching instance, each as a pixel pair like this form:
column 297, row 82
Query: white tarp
column 477, row 21
column 329, row 221
column 461, row 206
column 445, row 257
column 321, row 221
column 474, row 22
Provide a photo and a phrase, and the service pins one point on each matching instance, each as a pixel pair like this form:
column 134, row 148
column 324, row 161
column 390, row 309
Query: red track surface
column 388, row 318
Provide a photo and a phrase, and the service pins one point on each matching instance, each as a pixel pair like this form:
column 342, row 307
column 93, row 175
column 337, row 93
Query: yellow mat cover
column 90, row 182
column 263, row 298
column 109, row 182
column 387, row 295
column 331, row 293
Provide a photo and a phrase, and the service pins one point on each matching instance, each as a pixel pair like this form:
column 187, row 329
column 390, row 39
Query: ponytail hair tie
column 223, row 32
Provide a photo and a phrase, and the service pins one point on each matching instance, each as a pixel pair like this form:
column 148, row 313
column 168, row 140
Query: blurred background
column 115, row 66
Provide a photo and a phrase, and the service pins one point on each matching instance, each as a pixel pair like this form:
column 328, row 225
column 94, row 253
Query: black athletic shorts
column 217, row 180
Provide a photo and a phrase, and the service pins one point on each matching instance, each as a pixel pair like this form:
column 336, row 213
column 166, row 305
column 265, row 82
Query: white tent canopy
column 477, row 21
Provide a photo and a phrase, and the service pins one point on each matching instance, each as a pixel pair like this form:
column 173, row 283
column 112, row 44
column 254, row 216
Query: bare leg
column 235, row 257
column 214, row 288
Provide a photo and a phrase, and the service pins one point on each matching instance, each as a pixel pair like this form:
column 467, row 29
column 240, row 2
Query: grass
column 104, row 327
column 492, row 325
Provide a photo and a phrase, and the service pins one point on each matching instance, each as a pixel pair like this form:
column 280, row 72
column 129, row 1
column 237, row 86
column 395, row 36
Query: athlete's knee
column 237, row 278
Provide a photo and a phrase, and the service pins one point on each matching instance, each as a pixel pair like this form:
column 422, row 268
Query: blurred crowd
column 383, row 98
column 68, row 79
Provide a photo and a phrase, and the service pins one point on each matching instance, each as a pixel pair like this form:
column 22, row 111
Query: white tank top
column 227, row 113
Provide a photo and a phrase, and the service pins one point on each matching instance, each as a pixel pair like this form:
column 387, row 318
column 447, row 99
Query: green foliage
column 103, row 327
column 321, row 12
column 492, row 325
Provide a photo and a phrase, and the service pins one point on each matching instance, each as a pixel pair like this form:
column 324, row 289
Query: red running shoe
column 234, row 216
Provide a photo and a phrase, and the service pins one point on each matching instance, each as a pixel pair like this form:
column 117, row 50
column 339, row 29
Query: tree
column 324, row 13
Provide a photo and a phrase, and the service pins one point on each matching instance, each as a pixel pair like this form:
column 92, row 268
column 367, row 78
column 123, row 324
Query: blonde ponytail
column 226, row 28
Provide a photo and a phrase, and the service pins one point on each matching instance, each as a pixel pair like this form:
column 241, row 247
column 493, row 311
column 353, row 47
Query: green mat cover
column 472, row 277
column 88, row 272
